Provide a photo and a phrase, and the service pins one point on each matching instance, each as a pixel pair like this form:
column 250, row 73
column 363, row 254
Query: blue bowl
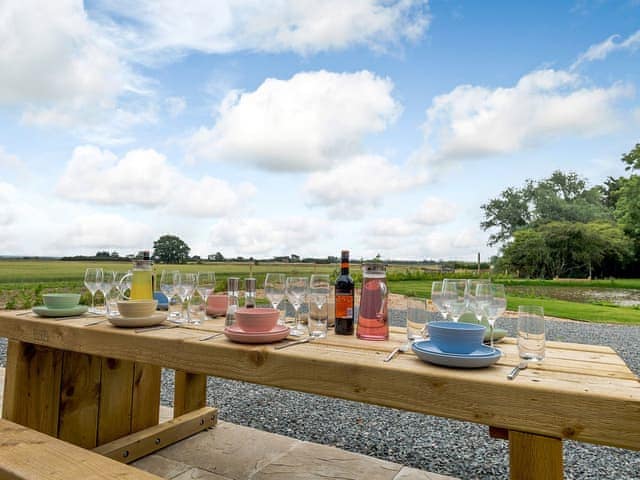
column 456, row 337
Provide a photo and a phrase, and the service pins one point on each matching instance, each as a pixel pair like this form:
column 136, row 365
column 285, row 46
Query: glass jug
column 141, row 278
column 373, row 317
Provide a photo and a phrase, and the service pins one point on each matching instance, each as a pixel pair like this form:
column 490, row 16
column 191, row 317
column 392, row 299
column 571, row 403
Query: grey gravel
column 435, row 444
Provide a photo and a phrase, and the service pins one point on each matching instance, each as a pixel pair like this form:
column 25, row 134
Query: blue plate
column 481, row 357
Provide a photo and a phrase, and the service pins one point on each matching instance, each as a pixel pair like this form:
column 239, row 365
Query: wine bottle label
column 344, row 305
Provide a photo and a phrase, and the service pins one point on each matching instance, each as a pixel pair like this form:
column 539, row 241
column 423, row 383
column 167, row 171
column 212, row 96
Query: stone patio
column 234, row 452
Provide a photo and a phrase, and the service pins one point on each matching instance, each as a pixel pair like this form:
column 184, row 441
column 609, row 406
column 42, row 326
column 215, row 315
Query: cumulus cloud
column 165, row 27
column 60, row 65
column 309, row 122
column 435, row 211
column 145, row 178
column 601, row 50
column 473, row 121
column 175, row 105
column 250, row 237
column 358, row 182
column 93, row 232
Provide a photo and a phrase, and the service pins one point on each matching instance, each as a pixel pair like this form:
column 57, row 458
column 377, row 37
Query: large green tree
column 170, row 249
column 568, row 249
column 563, row 197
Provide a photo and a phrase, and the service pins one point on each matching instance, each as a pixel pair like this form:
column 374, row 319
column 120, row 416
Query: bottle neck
column 344, row 268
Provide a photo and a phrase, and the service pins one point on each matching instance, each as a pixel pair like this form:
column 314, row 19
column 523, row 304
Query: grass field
column 23, row 281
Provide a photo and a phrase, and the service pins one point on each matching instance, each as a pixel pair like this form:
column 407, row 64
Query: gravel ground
column 435, row 444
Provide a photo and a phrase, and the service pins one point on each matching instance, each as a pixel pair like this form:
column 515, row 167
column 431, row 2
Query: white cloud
column 475, row 121
column 163, row 27
column 358, row 183
column 8, row 194
column 600, row 51
column 258, row 237
column 309, row 122
column 144, row 178
column 8, row 160
column 463, row 244
column 101, row 231
column 436, row 211
column 391, row 227
column 175, row 105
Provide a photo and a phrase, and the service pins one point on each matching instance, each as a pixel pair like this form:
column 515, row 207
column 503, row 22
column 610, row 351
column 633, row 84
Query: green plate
column 498, row 334
column 60, row 312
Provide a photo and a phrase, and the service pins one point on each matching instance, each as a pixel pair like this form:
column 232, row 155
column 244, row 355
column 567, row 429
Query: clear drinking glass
column 186, row 287
column 296, row 291
column 93, row 282
column 205, row 284
column 319, row 288
column 111, row 292
column 437, row 299
column 496, row 305
column 531, row 333
column 274, row 285
column 169, row 281
column 454, row 298
column 417, row 319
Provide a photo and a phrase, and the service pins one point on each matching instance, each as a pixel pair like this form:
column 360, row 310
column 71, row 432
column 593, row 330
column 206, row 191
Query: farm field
column 608, row 301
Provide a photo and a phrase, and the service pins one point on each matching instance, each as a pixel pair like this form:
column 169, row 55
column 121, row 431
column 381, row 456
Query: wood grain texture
column 80, row 397
column 130, row 448
column 115, row 399
column 587, row 392
column 32, row 386
column 29, row 455
column 534, row 457
column 145, row 403
column 190, row 392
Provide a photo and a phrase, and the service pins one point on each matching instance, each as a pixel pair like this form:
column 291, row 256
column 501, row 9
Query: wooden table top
column 580, row 392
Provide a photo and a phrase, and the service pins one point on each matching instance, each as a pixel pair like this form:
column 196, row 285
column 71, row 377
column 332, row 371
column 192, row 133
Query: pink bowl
column 216, row 305
column 257, row 319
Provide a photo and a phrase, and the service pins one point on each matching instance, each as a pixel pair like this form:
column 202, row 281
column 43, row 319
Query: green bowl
column 60, row 300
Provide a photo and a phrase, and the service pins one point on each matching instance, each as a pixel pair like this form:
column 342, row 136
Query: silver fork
column 400, row 349
column 516, row 370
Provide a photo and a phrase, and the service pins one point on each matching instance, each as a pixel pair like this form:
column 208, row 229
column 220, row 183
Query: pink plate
column 236, row 334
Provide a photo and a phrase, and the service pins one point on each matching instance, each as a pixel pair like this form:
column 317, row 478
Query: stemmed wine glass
column 478, row 298
column 296, row 291
column 186, row 287
column 205, row 284
column 319, row 288
column 274, row 289
column 454, row 298
column 93, row 282
column 496, row 306
column 169, row 280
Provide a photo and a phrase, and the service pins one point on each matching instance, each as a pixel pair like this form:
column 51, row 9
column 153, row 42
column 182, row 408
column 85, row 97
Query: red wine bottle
column 344, row 298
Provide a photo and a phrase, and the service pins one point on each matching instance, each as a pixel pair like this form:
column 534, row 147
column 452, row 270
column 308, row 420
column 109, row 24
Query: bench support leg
column 532, row 457
column 190, row 392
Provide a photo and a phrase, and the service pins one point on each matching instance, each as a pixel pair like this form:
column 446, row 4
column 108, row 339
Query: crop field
column 612, row 301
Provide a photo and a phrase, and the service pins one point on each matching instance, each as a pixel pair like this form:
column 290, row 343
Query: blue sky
column 262, row 128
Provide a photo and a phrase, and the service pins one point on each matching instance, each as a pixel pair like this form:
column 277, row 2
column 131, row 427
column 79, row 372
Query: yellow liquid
column 141, row 285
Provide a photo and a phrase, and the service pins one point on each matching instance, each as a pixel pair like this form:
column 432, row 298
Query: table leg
column 532, row 457
column 190, row 392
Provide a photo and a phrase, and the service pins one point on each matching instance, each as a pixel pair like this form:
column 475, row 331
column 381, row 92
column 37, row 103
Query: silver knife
column 297, row 342
column 516, row 370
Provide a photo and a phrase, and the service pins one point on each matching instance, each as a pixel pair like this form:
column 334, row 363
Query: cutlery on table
column 209, row 337
column 90, row 324
column 516, row 370
column 404, row 348
column 296, row 342
column 156, row 327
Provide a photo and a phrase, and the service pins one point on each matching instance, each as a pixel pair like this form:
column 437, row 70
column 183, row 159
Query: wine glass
column 205, row 284
column 274, row 289
column 454, row 298
column 169, row 280
column 93, row 282
column 109, row 288
column 497, row 306
column 296, row 291
column 478, row 297
column 319, row 288
column 436, row 297
column 186, row 287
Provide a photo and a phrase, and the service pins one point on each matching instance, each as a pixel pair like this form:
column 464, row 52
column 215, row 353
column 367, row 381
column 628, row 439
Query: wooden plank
column 32, row 386
column 190, row 392
column 29, row 455
column 115, row 399
column 80, row 397
column 532, row 457
column 145, row 406
column 144, row 442
column 584, row 406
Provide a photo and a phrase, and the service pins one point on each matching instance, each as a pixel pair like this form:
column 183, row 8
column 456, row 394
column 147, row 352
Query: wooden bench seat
column 30, row 455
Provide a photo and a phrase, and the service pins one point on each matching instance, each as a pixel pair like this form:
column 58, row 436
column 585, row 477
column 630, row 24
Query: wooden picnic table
column 98, row 386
